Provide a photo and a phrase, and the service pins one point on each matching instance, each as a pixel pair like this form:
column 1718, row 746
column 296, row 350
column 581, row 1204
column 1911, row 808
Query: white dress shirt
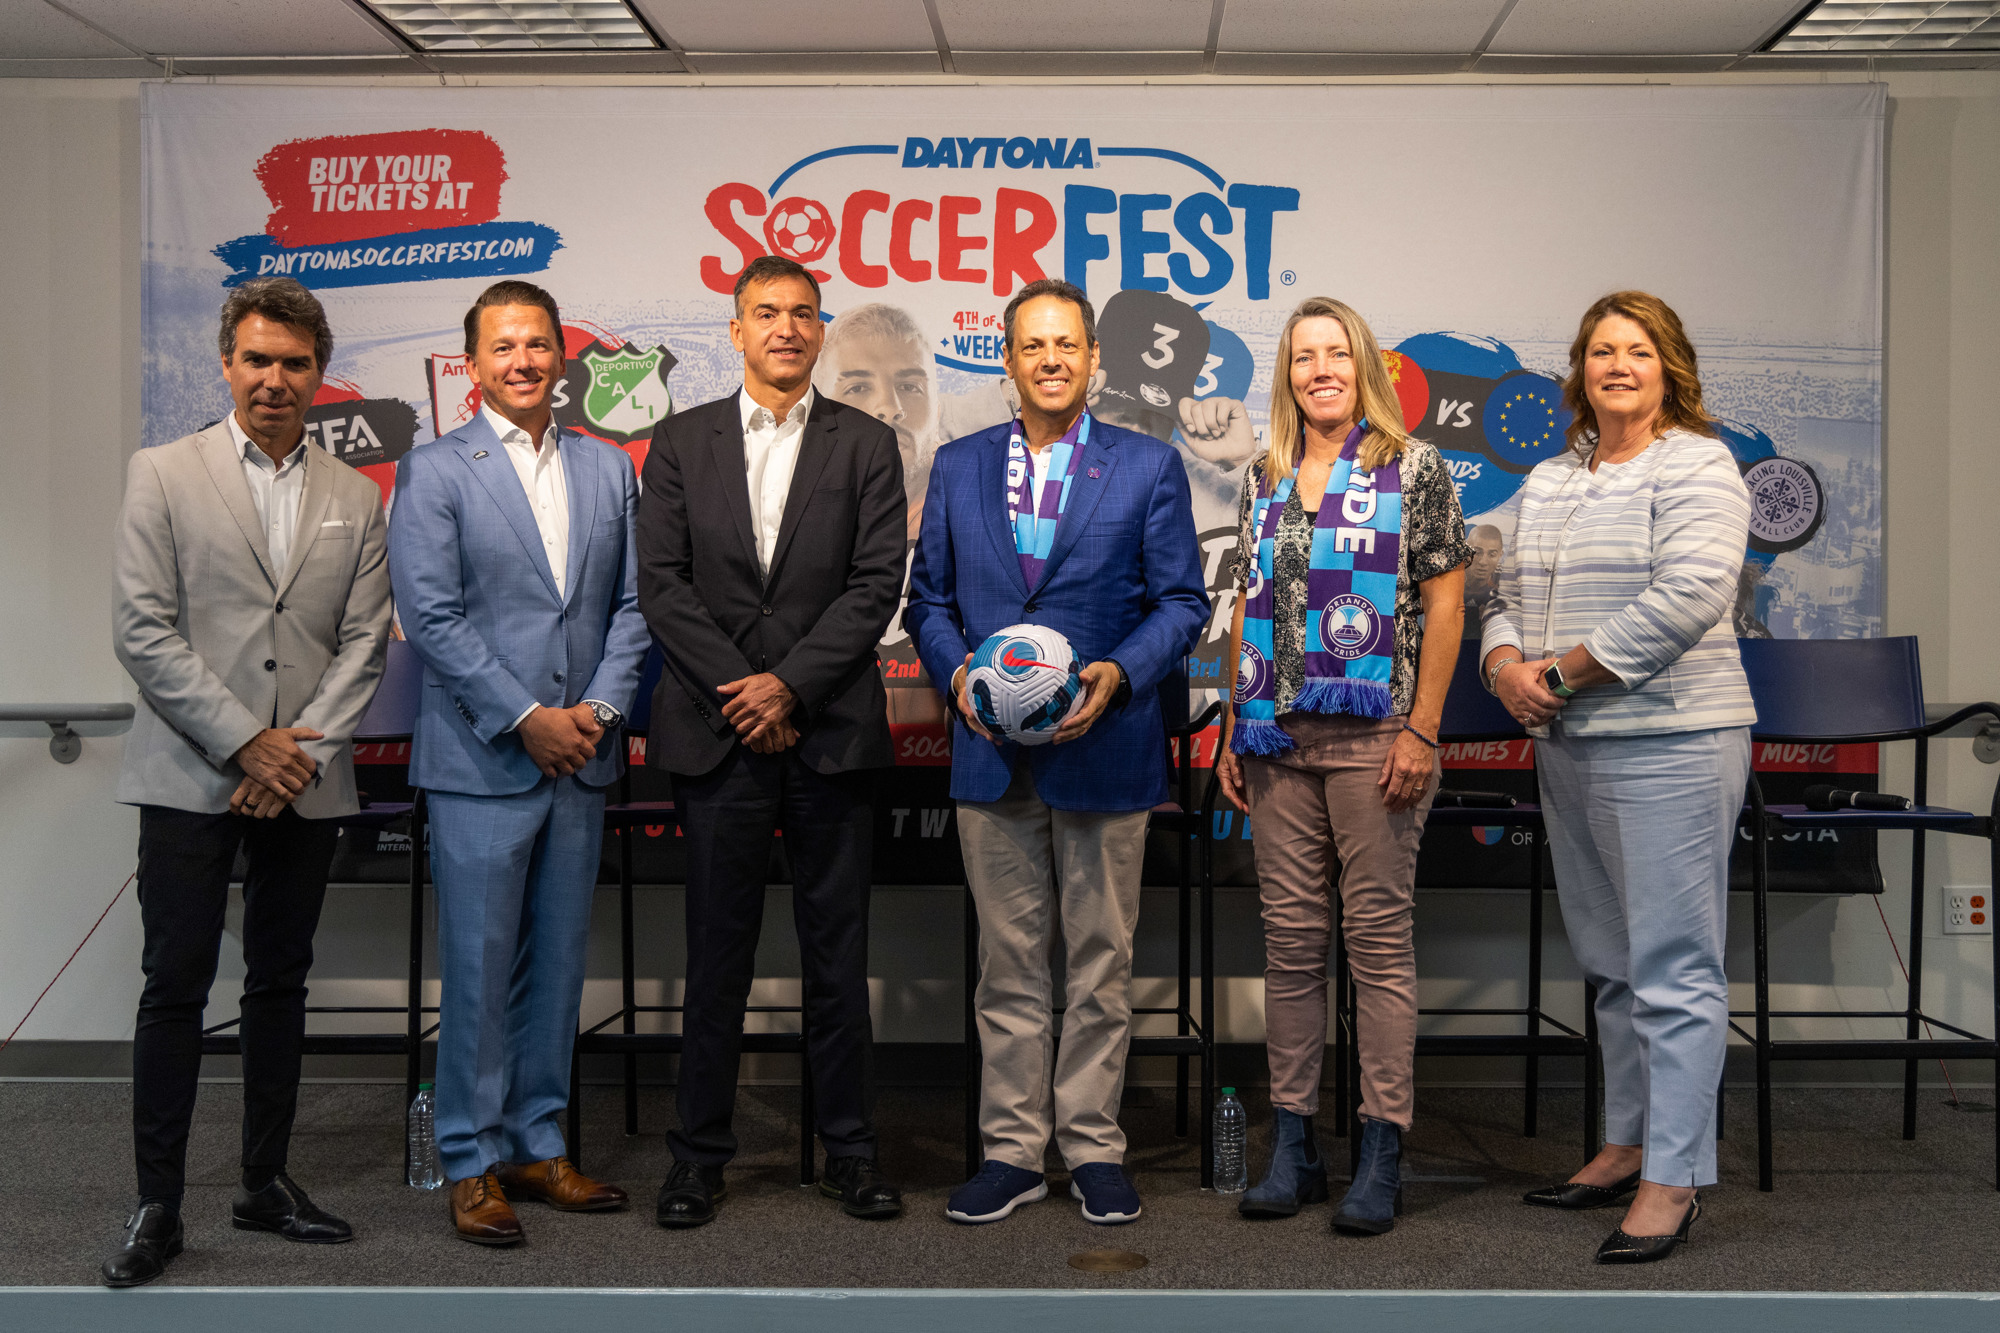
column 275, row 491
column 770, row 453
column 541, row 474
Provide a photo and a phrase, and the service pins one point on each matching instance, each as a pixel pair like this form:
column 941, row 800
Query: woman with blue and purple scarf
column 1350, row 573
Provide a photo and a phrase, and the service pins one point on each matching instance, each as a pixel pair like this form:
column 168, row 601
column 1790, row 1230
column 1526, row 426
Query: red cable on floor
column 71, row 959
column 1906, row 981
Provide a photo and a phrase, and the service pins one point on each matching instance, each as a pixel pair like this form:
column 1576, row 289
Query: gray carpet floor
column 1856, row 1209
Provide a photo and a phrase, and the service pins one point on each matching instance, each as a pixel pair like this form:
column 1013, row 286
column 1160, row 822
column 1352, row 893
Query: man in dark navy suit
column 1056, row 519
column 771, row 544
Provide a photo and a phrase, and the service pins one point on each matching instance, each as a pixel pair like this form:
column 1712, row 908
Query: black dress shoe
column 152, row 1236
column 1619, row 1248
column 284, row 1208
column 689, row 1196
column 1578, row 1198
column 861, row 1187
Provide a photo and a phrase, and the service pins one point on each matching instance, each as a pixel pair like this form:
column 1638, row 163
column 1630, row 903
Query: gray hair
column 874, row 320
column 1062, row 291
column 282, row 301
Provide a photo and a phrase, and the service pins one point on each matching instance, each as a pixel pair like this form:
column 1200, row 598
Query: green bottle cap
column 1229, row 1092
column 425, row 1087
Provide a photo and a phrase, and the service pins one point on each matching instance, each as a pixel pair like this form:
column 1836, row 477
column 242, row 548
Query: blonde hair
column 1376, row 391
column 1680, row 407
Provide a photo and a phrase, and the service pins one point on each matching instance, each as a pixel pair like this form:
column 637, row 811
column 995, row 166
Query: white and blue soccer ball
column 1023, row 682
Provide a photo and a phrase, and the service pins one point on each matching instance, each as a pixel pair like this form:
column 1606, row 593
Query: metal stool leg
column 573, row 1140
column 1532, row 1075
column 974, row 1150
column 808, row 1117
column 628, row 992
column 1593, row 1108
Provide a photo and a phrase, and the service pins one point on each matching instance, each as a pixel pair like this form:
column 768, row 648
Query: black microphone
column 1825, row 797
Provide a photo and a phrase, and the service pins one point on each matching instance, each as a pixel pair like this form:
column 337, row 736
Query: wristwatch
column 1553, row 678
column 606, row 715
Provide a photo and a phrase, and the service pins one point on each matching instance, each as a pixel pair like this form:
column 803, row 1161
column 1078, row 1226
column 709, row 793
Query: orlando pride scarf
column 1350, row 602
column 1035, row 525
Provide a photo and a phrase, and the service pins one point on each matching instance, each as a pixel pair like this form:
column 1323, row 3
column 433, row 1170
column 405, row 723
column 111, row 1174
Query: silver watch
column 606, row 715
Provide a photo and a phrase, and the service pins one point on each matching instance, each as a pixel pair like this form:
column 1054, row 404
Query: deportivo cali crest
column 627, row 395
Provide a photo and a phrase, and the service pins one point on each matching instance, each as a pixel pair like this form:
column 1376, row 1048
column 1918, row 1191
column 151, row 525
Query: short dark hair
column 282, row 301
column 770, row 268
column 1062, row 291
column 511, row 291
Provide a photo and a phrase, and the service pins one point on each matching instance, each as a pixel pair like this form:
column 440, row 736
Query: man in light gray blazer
column 253, row 612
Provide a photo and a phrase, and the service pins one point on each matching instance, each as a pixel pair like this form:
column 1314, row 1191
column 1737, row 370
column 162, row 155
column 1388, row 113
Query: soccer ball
column 799, row 228
column 1024, row 681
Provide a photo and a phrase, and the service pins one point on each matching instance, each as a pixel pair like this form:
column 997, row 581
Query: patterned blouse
column 1433, row 544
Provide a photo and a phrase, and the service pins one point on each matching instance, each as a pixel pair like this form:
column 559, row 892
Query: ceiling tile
column 238, row 27
column 809, row 63
column 132, row 67
column 792, row 25
column 1408, row 26
column 1076, row 64
column 30, row 30
column 1323, row 64
column 1638, row 27
column 1594, row 64
column 300, row 66
column 1075, row 25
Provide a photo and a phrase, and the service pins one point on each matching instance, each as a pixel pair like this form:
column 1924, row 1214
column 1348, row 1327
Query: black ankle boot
column 1376, row 1196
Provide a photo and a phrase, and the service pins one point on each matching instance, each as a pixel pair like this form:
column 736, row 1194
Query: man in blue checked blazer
column 511, row 552
column 1057, row 520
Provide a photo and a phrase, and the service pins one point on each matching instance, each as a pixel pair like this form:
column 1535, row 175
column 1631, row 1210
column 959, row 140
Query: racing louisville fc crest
column 1787, row 504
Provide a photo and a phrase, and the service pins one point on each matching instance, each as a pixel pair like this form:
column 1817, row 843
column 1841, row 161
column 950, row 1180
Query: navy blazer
column 1123, row 582
column 477, row 600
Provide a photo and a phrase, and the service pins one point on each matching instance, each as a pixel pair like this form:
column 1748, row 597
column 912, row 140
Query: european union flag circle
column 1524, row 420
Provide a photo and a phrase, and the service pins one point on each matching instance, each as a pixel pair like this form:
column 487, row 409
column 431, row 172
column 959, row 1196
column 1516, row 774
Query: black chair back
column 1175, row 698
column 1834, row 689
column 392, row 713
column 1470, row 713
column 640, row 720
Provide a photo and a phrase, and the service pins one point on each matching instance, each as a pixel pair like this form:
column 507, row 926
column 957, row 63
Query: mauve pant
column 1320, row 799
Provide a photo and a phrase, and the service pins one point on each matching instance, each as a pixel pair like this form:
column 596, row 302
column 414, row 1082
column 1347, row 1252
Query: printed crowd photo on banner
column 1195, row 218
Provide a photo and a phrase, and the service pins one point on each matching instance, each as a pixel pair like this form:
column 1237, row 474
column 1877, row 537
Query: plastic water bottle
column 1232, row 1174
column 425, row 1172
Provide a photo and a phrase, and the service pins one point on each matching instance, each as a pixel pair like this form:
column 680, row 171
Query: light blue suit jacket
column 477, row 601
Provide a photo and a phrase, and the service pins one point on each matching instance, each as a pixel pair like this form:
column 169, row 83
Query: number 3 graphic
column 1206, row 383
column 1162, row 353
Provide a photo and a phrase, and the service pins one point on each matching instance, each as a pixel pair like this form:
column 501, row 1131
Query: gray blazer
column 222, row 645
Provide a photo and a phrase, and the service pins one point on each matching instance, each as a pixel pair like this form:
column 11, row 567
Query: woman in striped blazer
column 1611, row 640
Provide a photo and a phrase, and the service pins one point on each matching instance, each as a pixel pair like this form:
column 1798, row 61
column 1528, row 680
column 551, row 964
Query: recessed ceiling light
column 1908, row 26
column 517, row 25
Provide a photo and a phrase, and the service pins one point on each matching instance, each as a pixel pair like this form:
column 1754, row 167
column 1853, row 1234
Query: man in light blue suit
column 511, row 552
column 1057, row 519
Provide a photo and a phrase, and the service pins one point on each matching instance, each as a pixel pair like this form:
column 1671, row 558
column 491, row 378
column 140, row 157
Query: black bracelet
column 1420, row 736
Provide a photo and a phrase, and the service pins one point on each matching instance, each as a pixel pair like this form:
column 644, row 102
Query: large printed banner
column 1471, row 225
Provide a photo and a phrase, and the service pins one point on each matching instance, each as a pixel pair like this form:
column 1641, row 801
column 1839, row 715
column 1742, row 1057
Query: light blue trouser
column 514, row 881
column 1640, row 829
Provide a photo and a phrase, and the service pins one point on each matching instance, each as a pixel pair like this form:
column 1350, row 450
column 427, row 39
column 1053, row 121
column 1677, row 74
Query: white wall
column 69, row 354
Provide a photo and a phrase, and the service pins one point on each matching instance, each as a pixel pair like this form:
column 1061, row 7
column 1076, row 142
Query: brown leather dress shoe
column 481, row 1213
column 559, row 1185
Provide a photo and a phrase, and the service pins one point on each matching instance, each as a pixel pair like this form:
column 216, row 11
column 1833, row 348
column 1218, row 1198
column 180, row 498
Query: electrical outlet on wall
column 1968, row 911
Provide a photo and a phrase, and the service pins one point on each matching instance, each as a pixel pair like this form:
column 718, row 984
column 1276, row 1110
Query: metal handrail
column 65, row 743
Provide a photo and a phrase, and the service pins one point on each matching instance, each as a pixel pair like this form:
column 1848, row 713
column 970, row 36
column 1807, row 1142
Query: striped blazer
column 1639, row 561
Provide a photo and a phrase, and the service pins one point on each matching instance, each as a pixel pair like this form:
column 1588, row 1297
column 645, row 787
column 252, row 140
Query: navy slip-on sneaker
column 995, row 1192
column 1108, row 1197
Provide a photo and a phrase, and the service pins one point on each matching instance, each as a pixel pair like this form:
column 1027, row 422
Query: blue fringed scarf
column 1035, row 526
column 1350, row 602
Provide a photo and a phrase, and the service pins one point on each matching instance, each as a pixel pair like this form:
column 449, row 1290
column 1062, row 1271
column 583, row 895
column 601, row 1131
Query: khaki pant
column 1026, row 863
column 1314, row 801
